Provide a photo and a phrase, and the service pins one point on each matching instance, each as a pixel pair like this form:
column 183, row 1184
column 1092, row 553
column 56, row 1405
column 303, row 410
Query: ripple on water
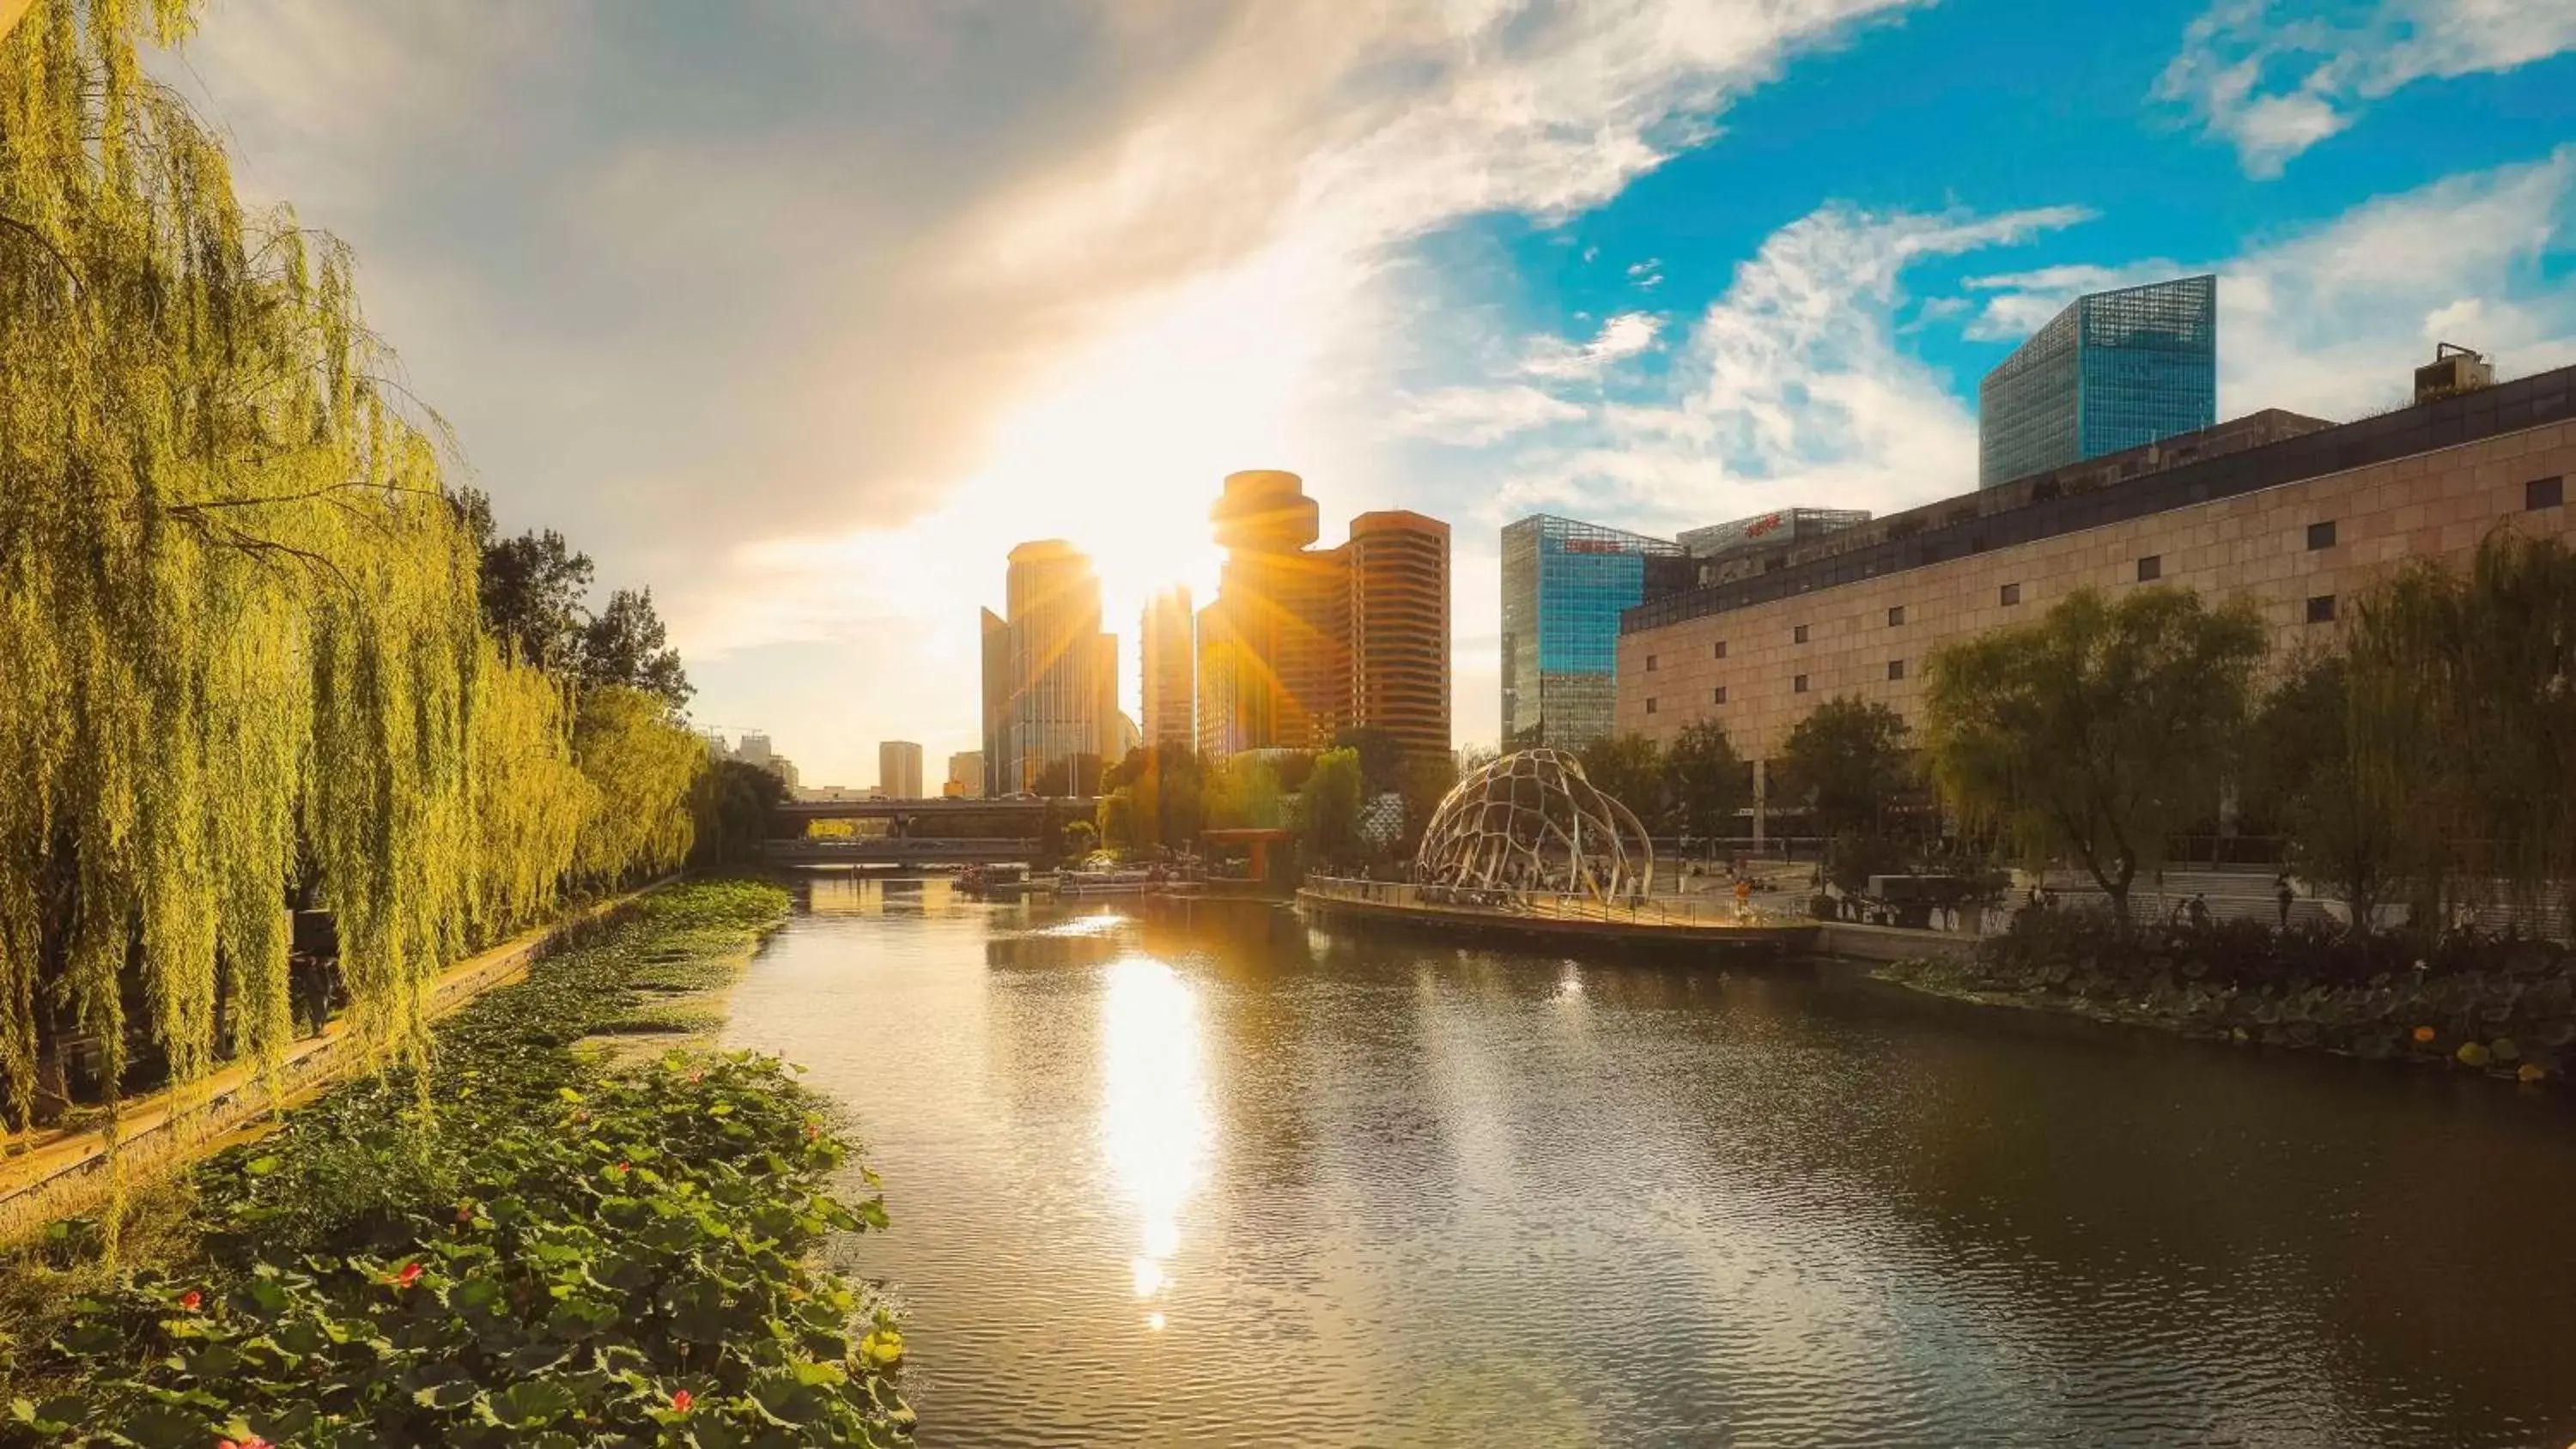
column 1231, row 1182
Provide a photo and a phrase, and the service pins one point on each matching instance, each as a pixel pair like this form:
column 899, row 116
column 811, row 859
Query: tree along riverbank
column 547, row 1237
column 2506, row 1008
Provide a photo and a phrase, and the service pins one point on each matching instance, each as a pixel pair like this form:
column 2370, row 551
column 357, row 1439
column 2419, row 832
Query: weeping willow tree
column 642, row 764
column 239, row 641
column 2463, row 723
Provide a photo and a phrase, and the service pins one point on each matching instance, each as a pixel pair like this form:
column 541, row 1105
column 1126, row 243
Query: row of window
column 2537, row 494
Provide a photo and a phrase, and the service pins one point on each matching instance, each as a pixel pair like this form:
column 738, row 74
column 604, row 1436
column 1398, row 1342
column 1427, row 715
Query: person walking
column 2281, row 892
column 1743, row 897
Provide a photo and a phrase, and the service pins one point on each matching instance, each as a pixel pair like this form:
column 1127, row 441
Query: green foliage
column 546, row 1252
column 1853, row 856
column 1244, row 792
column 1704, row 780
column 1629, row 769
column 2099, row 731
column 643, row 763
column 1330, row 812
column 240, row 639
column 625, row 647
column 2348, row 824
column 1074, row 775
column 731, row 807
column 1381, row 755
column 2463, row 719
column 1118, row 822
column 1424, row 781
column 1847, row 761
column 533, row 589
column 2413, row 996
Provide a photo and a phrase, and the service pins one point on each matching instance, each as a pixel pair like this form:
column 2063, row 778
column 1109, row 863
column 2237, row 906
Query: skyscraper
column 1050, row 675
column 899, row 769
column 965, row 774
column 1272, row 673
column 1398, row 642
column 1303, row 642
column 2115, row 370
column 1564, row 586
column 1168, row 671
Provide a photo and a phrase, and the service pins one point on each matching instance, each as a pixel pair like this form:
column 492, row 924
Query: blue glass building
column 2115, row 370
column 1564, row 586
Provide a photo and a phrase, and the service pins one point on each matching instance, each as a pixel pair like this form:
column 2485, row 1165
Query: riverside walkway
column 1704, row 923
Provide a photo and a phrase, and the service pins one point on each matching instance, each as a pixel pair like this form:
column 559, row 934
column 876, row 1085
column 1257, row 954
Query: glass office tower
column 2115, row 370
column 1564, row 586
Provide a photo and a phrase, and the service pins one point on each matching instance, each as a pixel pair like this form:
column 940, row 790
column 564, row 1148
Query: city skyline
column 1649, row 265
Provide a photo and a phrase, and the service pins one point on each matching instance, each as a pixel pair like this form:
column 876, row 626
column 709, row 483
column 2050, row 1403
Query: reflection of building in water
column 1155, row 1125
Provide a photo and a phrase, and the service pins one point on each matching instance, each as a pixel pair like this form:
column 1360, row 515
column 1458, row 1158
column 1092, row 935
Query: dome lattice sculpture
column 1531, row 821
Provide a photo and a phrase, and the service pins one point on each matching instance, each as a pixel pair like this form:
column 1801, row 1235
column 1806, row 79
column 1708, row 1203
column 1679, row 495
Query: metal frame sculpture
column 1531, row 822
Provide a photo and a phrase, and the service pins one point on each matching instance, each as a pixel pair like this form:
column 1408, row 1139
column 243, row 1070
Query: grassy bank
column 2506, row 1008
column 543, row 1241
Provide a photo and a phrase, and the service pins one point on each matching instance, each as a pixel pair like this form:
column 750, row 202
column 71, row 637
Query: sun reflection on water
column 1154, row 1117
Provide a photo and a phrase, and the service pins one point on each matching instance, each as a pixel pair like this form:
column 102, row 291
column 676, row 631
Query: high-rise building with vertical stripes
column 1168, row 670
column 1050, row 675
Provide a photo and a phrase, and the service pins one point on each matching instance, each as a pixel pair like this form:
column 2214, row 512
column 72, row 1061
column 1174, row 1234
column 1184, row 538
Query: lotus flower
column 190, row 1299
column 681, row 1399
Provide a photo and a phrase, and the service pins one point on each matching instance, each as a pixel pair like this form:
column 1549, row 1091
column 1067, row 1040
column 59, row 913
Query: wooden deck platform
column 1536, row 918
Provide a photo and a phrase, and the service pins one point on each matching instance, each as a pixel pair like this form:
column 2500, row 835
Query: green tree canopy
column 1629, row 769
column 2098, row 731
column 534, row 588
column 1381, row 755
column 2308, row 772
column 625, row 646
column 1846, row 761
column 1704, row 779
column 1330, row 812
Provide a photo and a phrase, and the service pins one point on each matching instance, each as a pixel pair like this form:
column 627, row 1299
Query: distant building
column 1125, row 738
column 2115, row 370
column 754, row 751
column 1780, row 528
column 965, row 774
column 784, row 769
column 1050, row 674
column 899, row 769
column 1167, row 669
column 1398, row 640
column 1565, row 584
column 1302, row 643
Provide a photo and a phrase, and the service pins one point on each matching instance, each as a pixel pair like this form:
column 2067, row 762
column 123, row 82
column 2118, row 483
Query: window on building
column 2151, row 568
column 1800, row 636
column 1650, row 706
column 1719, row 697
column 1650, row 664
column 2542, row 493
column 1721, row 649
column 1798, row 685
column 2012, row 594
column 2321, row 535
column 1896, row 669
column 2321, row 609
column 1896, row 616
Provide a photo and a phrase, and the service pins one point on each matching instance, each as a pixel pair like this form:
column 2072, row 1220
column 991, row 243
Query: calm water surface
column 1218, row 1179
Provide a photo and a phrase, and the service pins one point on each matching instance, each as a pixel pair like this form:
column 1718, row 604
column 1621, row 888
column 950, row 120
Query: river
column 1216, row 1178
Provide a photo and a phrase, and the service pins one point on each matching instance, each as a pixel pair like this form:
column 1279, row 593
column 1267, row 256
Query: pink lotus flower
column 190, row 1299
column 681, row 1400
column 406, row 1275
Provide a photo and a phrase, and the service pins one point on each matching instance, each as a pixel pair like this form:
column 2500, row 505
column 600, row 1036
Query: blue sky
column 805, row 313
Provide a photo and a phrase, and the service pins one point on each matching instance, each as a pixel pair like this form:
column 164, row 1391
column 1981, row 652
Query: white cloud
column 1620, row 338
column 1790, row 390
column 2276, row 78
column 1477, row 416
column 805, row 315
column 2332, row 320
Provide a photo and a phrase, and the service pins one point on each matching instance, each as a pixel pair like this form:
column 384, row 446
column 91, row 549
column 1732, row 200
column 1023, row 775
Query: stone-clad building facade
column 2300, row 526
